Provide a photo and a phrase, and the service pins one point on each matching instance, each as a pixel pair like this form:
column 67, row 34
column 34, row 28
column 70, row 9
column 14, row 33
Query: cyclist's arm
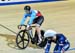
column 61, row 44
column 61, row 40
column 47, row 47
column 23, row 19
column 32, row 18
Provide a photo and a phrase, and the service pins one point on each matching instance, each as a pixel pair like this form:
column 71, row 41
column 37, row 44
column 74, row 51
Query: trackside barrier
column 9, row 2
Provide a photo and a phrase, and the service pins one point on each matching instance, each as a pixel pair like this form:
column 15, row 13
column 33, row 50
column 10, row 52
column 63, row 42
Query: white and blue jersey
column 61, row 43
column 33, row 14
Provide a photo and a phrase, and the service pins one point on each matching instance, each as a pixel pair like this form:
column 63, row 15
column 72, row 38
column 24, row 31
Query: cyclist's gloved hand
column 19, row 26
column 28, row 26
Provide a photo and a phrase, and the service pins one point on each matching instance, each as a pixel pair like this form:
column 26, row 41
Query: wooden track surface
column 59, row 16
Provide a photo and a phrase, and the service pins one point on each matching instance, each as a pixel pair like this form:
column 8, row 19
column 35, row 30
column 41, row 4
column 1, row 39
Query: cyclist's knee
column 66, row 47
column 37, row 25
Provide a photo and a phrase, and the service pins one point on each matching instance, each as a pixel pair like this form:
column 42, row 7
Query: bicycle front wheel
column 22, row 39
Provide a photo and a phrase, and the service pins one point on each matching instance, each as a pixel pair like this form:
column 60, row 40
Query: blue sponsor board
column 24, row 2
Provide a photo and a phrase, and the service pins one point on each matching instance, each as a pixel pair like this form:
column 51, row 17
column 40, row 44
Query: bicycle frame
column 28, row 31
column 34, row 39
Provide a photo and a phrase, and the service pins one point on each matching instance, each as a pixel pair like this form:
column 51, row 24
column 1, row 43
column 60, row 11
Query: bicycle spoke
column 19, row 42
column 23, row 43
column 20, row 36
column 25, row 39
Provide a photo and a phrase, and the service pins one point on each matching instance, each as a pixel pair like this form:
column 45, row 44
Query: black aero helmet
column 27, row 8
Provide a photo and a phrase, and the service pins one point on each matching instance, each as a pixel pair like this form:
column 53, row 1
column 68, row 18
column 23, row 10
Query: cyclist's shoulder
column 34, row 11
column 61, row 37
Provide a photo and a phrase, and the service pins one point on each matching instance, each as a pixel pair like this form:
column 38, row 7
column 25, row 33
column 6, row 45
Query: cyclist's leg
column 39, row 21
column 39, row 34
column 57, row 49
column 66, row 47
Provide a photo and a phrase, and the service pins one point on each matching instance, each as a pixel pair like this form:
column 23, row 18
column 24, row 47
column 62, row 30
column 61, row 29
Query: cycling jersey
column 61, row 43
column 33, row 14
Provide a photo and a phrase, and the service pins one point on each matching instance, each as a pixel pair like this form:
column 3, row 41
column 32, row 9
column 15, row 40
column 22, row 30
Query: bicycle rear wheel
column 22, row 39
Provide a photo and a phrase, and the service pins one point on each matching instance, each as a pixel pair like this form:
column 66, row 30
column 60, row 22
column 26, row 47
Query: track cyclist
column 62, row 44
column 35, row 18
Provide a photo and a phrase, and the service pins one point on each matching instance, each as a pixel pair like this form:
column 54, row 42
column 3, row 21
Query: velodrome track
column 59, row 16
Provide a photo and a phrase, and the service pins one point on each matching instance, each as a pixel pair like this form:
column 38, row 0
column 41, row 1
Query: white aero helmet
column 49, row 33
